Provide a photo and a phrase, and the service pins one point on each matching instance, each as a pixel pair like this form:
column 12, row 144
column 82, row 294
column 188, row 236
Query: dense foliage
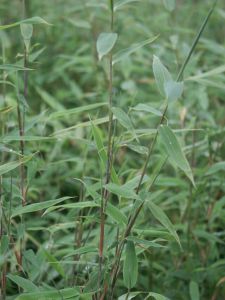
column 112, row 149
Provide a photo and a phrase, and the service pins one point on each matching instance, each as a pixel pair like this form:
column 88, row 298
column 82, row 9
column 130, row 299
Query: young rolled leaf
column 159, row 214
column 105, row 43
column 174, row 151
column 130, row 266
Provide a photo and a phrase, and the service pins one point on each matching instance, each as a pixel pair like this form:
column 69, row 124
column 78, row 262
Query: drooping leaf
column 159, row 214
column 130, row 266
column 105, row 43
column 174, row 151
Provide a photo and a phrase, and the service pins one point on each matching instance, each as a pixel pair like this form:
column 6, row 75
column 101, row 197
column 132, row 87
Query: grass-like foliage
column 112, row 150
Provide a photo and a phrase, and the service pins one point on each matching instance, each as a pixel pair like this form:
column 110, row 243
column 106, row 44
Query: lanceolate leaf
column 121, row 191
column 37, row 206
column 105, row 43
column 14, row 164
column 130, row 266
column 25, row 284
column 174, row 151
column 159, row 214
column 133, row 48
column 69, row 293
column 33, row 20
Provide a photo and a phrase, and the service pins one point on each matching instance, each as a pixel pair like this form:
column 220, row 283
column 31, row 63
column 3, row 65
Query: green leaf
column 122, row 118
column 147, row 108
column 156, row 296
column 144, row 242
column 217, row 167
column 9, row 67
column 83, row 250
column 161, row 74
column 130, row 266
column 116, row 214
column 105, row 43
column 174, row 151
column 119, row 4
column 33, row 20
column 68, row 112
column 36, row 206
column 102, row 151
column 121, row 191
column 69, row 293
column 25, row 284
column 54, row 262
column 77, row 205
column 173, row 90
column 14, row 164
column 4, row 244
column 121, row 55
column 159, row 214
column 194, row 291
column 169, row 4
column 26, row 31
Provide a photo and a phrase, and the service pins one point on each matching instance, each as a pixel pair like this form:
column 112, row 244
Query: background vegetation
column 68, row 120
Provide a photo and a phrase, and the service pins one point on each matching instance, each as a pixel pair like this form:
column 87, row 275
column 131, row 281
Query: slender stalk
column 109, row 156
